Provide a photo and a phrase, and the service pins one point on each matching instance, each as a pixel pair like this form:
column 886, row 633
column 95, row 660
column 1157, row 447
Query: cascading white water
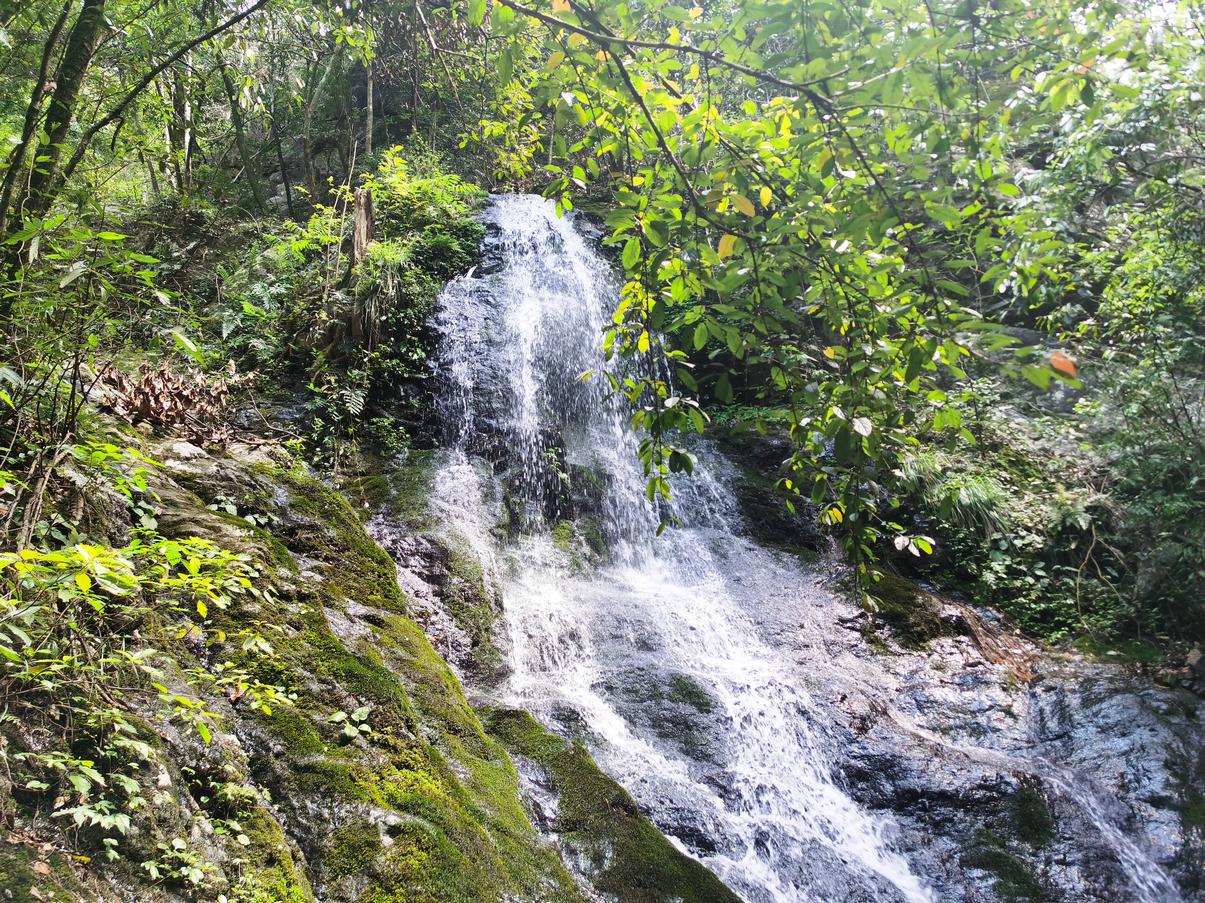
column 662, row 654
column 515, row 344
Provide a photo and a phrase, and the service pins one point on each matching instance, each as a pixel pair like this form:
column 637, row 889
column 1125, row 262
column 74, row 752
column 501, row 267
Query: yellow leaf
column 555, row 60
column 642, row 344
column 83, row 581
column 830, row 352
column 696, row 11
column 766, row 196
column 560, row 6
column 601, row 56
column 743, row 204
column 575, row 39
column 727, row 244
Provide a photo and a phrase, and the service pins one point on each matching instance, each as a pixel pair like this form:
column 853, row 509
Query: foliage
column 837, row 210
column 68, row 623
column 367, row 331
column 414, row 192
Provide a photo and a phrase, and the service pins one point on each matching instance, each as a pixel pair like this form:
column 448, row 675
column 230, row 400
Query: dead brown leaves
column 189, row 402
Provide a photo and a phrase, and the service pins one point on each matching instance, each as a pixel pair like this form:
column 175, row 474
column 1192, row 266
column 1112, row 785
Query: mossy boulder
column 913, row 614
column 622, row 852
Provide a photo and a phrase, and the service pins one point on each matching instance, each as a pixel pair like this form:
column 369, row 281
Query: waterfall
column 658, row 614
column 662, row 652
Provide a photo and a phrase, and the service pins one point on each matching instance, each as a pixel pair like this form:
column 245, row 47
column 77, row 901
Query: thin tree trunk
column 81, row 46
column 33, row 113
column 368, row 114
column 280, row 155
column 171, row 139
column 240, row 136
column 307, row 149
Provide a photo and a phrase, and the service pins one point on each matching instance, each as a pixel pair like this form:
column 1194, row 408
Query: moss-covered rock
column 34, row 873
column 621, row 851
column 446, row 794
column 1031, row 818
column 913, row 614
column 1014, row 878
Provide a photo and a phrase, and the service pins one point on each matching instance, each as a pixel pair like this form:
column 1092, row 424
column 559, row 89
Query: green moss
column 628, row 856
column 591, row 530
column 324, row 526
column 563, row 535
column 29, row 876
column 294, row 728
column 1015, row 879
column 268, row 547
column 914, row 615
column 1030, row 814
column 270, row 874
column 352, row 849
column 399, row 492
column 270, row 886
column 326, row 779
column 683, row 689
column 473, row 608
column 1129, row 652
column 427, row 757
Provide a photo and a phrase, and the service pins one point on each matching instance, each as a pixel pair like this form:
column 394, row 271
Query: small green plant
column 176, row 863
column 226, row 505
column 77, row 622
column 355, row 724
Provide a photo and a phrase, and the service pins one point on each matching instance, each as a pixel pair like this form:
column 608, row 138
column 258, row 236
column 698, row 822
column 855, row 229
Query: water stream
column 679, row 656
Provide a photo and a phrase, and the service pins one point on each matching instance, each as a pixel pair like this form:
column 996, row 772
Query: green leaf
column 723, row 389
column 189, row 347
column 631, row 253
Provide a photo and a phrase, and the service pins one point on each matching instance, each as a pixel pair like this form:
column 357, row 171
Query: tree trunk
column 307, row 149
column 240, row 136
column 363, row 224
column 81, row 46
column 33, row 113
column 368, row 123
column 280, row 155
column 171, row 141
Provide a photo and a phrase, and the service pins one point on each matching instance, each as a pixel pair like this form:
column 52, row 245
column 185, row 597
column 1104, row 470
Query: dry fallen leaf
column 1063, row 364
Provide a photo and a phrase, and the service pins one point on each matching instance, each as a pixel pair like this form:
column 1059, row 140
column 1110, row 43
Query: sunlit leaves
column 844, row 240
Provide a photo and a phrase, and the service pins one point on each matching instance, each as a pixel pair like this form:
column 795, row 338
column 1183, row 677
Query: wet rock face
column 1070, row 786
column 760, row 464
column 448, row 597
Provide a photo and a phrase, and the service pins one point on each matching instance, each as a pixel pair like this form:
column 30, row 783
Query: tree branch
column 113, row 115
column 805, row 88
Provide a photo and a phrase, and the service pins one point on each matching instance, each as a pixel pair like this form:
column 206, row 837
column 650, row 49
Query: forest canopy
column 950, row 249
